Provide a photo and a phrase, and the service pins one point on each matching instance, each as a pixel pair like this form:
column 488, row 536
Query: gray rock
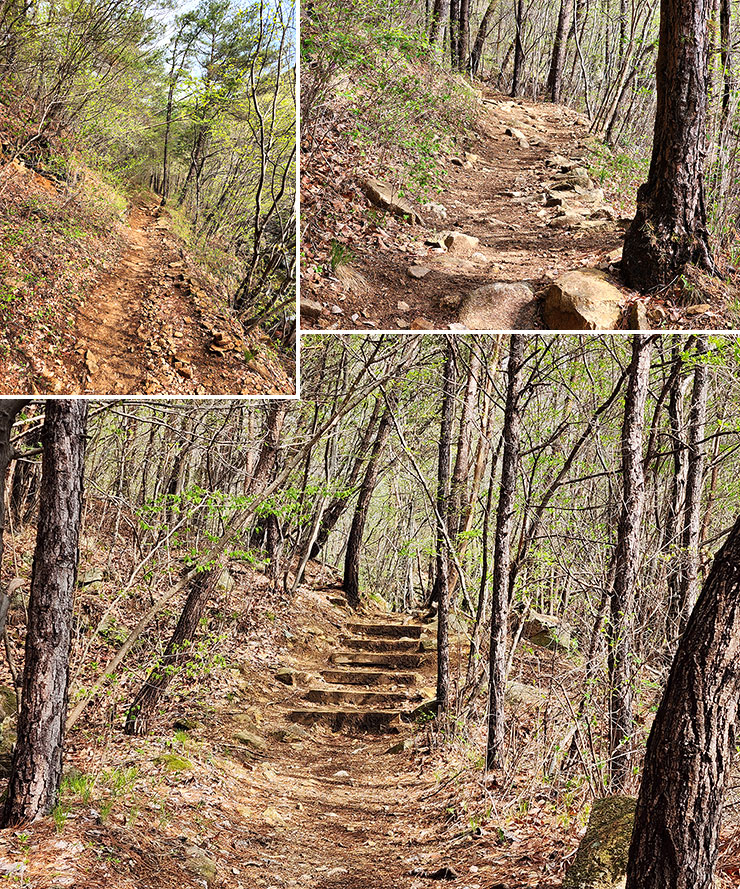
column 201, row 865
column 548, row 632
column 481, row 309
column 387, row 198
column 286, row 675
column 416, row 271
column 637, row 318
column 519, row 694
column 583, row 300
column 248, row 739
column 601, row 860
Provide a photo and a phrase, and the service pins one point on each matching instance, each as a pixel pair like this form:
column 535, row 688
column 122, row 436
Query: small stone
column 416, row 271
column 698, row 309
column 310, row 309
column 421, row 324
column 458, row 242
column 335, row 310
column 403, row 307
column 250, row 740
column 286, row 675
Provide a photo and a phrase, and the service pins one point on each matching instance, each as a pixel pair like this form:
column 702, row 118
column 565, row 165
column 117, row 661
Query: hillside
column 102, row 296
column 147, row 217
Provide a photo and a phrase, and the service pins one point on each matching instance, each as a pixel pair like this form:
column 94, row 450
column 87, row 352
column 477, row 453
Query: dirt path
column 495, row 190
column 157, row 324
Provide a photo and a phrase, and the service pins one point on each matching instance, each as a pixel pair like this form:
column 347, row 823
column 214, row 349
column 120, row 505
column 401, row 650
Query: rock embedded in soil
column 201, row 865
column 416, row 271
column 481, row 309
column 458, row 242
column 583, row 300
column 387, row 198
column 421, row 324
column 601, row 860
column 548, row 632
column 311, row 309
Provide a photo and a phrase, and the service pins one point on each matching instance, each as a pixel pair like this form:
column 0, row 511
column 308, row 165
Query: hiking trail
column 519, row 208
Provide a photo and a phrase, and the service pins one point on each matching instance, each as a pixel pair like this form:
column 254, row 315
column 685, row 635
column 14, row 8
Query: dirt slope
column 93, row 302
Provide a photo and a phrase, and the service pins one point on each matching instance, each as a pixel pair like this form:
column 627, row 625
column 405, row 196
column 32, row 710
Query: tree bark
column 351, row 584
column 669, row 230
column 440, row 14
column 143, row 707
column 627, row 555
column 555, row 77
column 37, row 762
column 518, row 48
column 691, row 530
column 480, row 39
column 502, row 555
column 692, row 742
column 442, row 576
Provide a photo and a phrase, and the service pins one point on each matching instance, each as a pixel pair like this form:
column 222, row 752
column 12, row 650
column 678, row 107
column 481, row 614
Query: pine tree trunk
column 692, row 742
column 669, row 230
column 37, row 762
column 627, row 555
column 518, row 48
column 502, row 555
column 480, row 39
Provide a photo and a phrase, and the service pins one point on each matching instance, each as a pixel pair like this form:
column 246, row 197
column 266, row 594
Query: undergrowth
column 403, row 107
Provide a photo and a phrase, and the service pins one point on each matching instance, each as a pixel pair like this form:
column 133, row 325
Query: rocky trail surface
column 156, row 325
column 519, row 208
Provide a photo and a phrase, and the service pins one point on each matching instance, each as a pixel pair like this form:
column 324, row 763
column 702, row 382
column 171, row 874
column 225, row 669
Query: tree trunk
column 463, row 45
column 669, row 230
column 502, row 555
column 480, row 39
column 555, row 78
column 518, row 48
column 692, row 742
column 442, row 576
column 691, row 530
column 627, row 555
column 37, row 762
column 454, row 32
column 141, row 711
column 351, row 584
column 440, row 14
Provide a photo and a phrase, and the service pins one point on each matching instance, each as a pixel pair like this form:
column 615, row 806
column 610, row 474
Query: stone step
column 376, row 721
column 396, row 646
column 358, row 698
column 376, row 659
column 386, row 631
column 368, row 677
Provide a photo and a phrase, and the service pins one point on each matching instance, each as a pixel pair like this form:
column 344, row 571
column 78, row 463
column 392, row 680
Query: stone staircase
column 370, row 683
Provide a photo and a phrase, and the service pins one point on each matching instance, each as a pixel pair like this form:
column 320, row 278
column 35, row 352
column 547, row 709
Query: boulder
column 482, row 308
column 548, row 632
column 637, row 318
column 601, row 860
column 248, row 739
column 519, row 694
column 583, row 300
column 387, row 198
column 518, row 135
column 286, row 675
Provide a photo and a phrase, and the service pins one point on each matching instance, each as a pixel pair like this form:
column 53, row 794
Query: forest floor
column 228, row 791
column 98, row 303
column 497, row 188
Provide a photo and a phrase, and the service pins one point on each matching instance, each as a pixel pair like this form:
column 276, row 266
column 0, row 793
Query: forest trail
column 519, row 185
column 155, row 325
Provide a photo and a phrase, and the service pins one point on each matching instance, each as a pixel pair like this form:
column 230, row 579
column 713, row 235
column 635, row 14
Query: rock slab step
column 485, row 308
column 583, row 300
column 601, row 860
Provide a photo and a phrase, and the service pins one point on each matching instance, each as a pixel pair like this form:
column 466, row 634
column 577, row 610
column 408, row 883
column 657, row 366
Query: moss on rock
column 601, row 860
